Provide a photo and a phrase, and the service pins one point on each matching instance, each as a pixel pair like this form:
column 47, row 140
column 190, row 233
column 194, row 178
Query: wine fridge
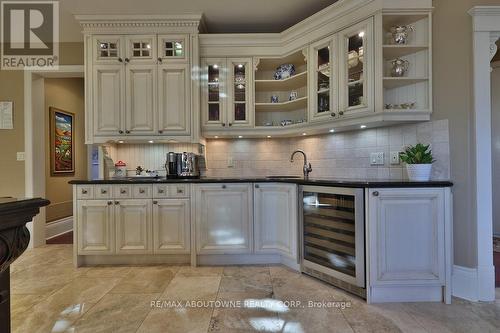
column 333, row 236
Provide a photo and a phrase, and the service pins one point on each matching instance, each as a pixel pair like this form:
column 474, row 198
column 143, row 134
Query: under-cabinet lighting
column 240, row 136
column 151, row 141
column 216, row 136
column 362, row 126
column 361, row 34
column 120, row 141
column 240, row 65
column 331, row 131
column 304, row 133
column 215, row 66
column 268, row 136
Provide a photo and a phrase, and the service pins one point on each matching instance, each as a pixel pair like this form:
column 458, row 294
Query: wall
column 342, row 155
column 67, row 95
column 12, row 89
column 495, row 133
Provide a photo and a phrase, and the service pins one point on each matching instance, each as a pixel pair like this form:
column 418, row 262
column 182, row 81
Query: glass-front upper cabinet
column 107, row 49
column 240, row 92
column 141, row 49
column 356, row 69
column 214, row 92
column 323, row 88
column 173, row 48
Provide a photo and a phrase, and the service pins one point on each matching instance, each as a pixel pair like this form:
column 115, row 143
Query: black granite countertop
column 357, row 183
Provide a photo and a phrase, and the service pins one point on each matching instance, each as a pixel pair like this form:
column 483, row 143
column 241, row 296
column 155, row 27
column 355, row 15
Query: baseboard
column 58, row 227
column 465, row 283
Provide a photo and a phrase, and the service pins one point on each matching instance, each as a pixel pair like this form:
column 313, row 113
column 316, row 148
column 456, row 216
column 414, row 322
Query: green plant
column 418, row 154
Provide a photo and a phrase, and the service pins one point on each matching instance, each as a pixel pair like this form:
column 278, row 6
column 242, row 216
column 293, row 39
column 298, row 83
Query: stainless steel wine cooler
column 333, row 236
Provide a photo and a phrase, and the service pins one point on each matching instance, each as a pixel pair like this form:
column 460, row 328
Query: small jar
column 120, row 169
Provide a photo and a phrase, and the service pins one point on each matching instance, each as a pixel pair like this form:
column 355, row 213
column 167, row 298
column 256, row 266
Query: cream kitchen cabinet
column 108, row 84
column 227, row 96
column 133, row 218
column 95, row 223
column 171, row 226
column 275, row 219
column 224, row 218
column 409, row 237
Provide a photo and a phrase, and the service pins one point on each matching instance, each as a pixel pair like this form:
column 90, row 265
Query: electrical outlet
column 20, row 155
column 395, row 157
column 230, row 162
column 377, row 159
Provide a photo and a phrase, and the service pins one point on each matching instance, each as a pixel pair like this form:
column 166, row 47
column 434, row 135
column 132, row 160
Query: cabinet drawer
column 102, row 192
column 85, row 192
column 142, row 191
column 171, row 191
column 122, row 191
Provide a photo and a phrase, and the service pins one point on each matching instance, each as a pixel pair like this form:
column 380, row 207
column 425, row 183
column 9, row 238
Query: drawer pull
column 180, row 190
column 103, row 191
column 375, row 193
column 110, row 203
column 142, row 191
column 122, row 191
column 160, row 190
column 155, row 202
column 224, row 186
column 257, row 186
column 117, row 202
column 84, row 191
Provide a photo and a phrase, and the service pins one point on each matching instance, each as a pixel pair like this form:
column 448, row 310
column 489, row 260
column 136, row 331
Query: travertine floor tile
column 177, row 320
column 188, row 288
column 147, row 279
column 200, row 271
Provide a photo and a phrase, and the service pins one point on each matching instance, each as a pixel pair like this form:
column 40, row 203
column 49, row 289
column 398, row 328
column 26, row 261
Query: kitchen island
column 397, row 232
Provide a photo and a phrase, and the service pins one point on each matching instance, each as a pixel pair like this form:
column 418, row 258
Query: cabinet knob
column 332, row 114
column 117, row 202
column 141, row 190
column 84, row 191
column 120, row 131
column 155, row 202
column 230, row 124
column 127, row 60
column 103, row 191
column 375, row 193
column 257, row 186
column 160, row 190
column 223, row 124
column 341, row 113
column 160, row 60
column 160, row 131
column 120, row 59
column 122, row 191
column 110, row 203
column 224, row 186
column 180, row 190
column 127, row 132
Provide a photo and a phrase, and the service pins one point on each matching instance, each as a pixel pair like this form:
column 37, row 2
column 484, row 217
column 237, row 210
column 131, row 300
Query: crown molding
column 485, row 18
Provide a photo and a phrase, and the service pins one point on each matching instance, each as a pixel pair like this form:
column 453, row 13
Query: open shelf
column 391, row 20
column 396, row 51
column 394, row 82
column 298, row 103
column 293, row 82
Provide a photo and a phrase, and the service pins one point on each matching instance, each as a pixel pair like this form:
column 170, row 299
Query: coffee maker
column 182, row 165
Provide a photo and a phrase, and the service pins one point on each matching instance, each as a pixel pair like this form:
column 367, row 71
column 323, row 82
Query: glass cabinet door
column 240, row 92
column 213, row 94
column 356, row 67
column 107, row 49
column 173, row 48
column 324, row 79
column 141, row 49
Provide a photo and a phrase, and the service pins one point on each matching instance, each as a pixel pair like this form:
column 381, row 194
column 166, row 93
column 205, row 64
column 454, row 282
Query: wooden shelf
column 395, row 82
column 296, row 81
column 396, row 51
column 299, row 103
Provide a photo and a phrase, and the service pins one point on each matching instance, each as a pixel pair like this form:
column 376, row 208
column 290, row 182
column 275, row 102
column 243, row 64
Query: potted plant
column 418, row 161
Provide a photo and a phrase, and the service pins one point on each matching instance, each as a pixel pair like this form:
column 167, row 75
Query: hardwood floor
column 66, row 238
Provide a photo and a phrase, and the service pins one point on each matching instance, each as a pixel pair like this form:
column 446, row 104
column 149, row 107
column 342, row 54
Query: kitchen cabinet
column 133, row 226
column 108, row 103
column 95, row 223
column 224, row 218
column 409, row 240
column 140, row 83
column 275, row 219
column 171, row 226
column 227, row 98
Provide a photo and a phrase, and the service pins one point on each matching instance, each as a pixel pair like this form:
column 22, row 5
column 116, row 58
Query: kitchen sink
column 283, row 177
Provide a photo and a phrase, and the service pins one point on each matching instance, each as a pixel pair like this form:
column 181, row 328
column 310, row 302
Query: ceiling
column 220, row 15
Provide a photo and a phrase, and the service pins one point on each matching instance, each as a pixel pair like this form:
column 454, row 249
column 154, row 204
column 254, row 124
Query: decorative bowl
column 284, row 71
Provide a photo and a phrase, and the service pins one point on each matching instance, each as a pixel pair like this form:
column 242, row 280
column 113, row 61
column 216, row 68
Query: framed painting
column 62, row 158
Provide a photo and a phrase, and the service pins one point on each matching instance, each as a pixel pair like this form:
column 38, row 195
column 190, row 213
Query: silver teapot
column 399, row 67
column 400, row 33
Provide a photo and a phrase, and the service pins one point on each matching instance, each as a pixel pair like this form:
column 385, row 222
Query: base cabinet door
column 406, row 236
column 133, row 226
column 95, row 223
column 224, row 218
column 171, row 226
column 275, row 219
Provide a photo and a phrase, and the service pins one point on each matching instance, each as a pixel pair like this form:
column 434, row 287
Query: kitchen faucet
column 307, row 166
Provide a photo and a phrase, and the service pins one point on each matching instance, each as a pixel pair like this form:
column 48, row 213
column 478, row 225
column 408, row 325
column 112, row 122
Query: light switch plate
column 20, row 155
column 395, row 157
column 377, row 158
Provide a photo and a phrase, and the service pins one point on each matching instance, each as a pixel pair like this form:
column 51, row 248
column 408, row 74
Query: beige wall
column 67, row 95
column 12, row 141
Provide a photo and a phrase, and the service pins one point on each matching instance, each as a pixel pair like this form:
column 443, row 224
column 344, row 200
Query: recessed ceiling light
column 121, row 141
column 150, row 141
column 304, row 133
column 240, row 66
column 215, row 66
column 362, row 126
column 240, row 136
column 361, row 34
column 331, row 131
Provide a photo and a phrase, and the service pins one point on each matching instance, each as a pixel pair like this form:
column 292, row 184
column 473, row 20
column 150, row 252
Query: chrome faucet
column 307, row 168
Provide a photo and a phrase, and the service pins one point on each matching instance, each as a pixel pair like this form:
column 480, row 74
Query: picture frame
column 62, row 154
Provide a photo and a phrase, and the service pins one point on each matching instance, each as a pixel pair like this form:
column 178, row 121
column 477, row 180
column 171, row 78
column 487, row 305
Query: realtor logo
column 30, row 34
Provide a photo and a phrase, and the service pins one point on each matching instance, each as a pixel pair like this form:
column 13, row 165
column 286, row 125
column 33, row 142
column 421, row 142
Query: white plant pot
column 419, row 172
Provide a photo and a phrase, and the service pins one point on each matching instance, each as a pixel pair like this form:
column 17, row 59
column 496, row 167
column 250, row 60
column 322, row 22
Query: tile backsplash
column 339, row 155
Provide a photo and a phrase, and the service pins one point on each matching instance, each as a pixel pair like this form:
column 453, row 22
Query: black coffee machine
column 182, row 165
